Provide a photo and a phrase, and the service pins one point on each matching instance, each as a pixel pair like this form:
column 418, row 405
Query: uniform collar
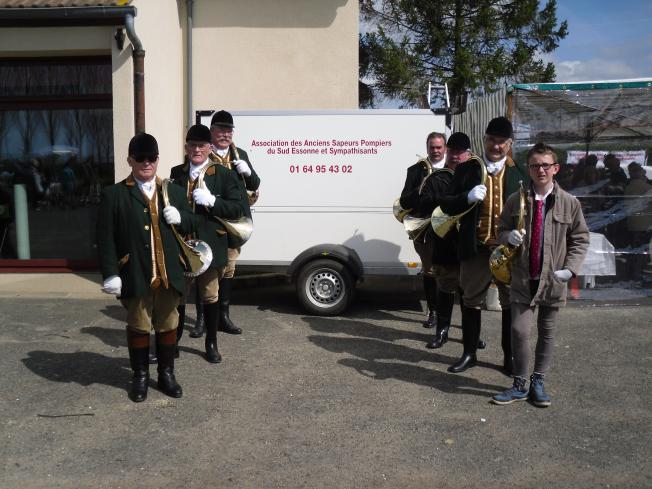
column 130, row 181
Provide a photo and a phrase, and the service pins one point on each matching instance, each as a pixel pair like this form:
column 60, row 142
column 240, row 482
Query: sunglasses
column 143, row 158
column 545, row 166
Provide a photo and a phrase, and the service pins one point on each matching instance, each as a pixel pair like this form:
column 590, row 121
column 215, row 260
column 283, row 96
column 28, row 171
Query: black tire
column 325, row 287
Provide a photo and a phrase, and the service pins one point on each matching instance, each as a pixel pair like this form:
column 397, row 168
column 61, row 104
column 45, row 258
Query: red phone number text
column 321, row 168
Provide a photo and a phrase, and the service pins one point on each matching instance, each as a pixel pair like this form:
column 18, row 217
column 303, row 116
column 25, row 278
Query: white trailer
column 328, row 182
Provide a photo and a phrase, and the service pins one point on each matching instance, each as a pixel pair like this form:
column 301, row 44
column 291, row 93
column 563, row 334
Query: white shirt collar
column 438, row 164
column 148, row 188
column 494, row 167
column 221, row 152
column 195, row 170
column 542, row 197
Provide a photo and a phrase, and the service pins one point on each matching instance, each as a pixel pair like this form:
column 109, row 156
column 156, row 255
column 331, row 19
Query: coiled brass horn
column 197, row 254
column 441, row 222
column 239, row 228
column 415, row 226
column 500, row 260
column 397, row 210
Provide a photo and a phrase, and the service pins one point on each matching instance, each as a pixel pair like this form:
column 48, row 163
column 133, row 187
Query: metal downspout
column 139, row 74
column 189, row 4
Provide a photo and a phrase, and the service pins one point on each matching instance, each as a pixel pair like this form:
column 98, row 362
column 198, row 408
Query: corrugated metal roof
column 61, row 3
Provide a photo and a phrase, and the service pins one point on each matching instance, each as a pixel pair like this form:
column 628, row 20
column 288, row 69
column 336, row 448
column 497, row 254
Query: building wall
column 159, row 26
column 286, row 54
column 247, row 55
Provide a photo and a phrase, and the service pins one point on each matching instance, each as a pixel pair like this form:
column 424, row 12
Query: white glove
column 563, row 275
column 171, row 215
column 515, row 237
column 242, row 167
column 112, row 285
column 477, row 194
column 202, row 196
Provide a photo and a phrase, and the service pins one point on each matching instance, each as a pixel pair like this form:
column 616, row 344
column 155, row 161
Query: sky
column 607, row 40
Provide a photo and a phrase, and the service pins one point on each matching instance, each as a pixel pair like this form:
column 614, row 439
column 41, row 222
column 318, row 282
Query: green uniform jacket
column 124, row 236
column 223, row 184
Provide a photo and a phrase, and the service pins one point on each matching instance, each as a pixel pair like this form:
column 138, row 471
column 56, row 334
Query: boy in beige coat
column 552, row 249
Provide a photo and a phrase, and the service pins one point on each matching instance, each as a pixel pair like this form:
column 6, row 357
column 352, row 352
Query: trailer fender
column 346, row 256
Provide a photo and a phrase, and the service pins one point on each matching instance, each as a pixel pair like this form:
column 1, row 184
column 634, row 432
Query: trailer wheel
column 325, row 287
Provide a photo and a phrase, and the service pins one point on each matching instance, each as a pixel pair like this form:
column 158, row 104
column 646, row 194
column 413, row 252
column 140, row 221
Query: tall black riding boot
column 181, row 309
column 200, row 324
column 138, row 345
column 152, row 353
column 481, row 343
column 470, row 335
column 225, row 323
column 506, row 341
column 210, row 342
column 445, row 302
column 166, row 344
column 430, row 288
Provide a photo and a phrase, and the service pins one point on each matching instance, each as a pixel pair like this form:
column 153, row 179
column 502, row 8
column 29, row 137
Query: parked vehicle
column 329, row 179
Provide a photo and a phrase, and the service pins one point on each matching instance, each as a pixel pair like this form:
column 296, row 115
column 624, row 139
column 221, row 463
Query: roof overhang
column 64, row 16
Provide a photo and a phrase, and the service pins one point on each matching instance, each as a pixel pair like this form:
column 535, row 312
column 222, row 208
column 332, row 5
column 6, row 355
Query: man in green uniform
column 218, row 197
column 140, row 262
column 237, row 162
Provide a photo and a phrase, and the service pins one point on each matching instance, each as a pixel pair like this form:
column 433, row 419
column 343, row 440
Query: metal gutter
column 189, row 5
column 138, row 56
column 64, row 16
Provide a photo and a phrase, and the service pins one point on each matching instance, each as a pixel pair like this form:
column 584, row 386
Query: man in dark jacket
column 446, row 266
column 140, row 262
column 218, row 197
column 410, row 196
column 235, row 160
column 478, row 233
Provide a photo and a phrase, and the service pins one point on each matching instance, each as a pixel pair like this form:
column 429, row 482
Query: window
column 56, row 154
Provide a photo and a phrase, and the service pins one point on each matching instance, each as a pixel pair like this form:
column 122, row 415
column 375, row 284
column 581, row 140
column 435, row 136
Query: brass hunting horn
column 397, row 210
column 414, row 226
column 239, row 228
column 500, row 261
column 197, row 254
column 441, row 222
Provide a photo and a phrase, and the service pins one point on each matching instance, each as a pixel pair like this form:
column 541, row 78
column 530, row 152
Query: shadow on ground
column 83, row 368
column 376, row 354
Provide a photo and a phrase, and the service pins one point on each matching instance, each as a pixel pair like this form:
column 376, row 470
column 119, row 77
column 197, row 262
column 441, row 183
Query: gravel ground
column 313, row 402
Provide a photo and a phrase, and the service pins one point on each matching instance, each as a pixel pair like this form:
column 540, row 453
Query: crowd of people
column 616, row 203
column 485, row 193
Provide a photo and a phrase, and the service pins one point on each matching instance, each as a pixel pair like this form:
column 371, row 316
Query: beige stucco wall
column 285, row 54
column 158, row 24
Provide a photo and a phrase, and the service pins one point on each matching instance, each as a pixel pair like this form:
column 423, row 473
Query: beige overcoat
column 565, row 243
